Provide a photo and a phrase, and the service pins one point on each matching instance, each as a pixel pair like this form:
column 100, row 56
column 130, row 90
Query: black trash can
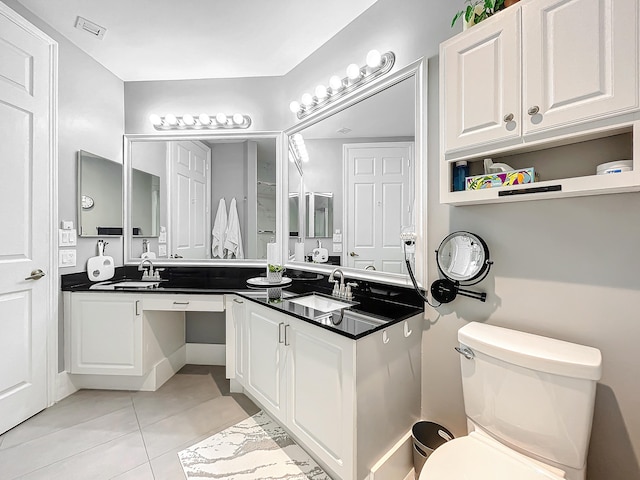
column 427, row 436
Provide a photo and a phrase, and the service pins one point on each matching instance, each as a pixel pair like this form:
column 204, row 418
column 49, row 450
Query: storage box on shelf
column 533, row 78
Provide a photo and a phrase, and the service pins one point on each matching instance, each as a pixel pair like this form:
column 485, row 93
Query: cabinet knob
column 508, row 118
column 533, row 110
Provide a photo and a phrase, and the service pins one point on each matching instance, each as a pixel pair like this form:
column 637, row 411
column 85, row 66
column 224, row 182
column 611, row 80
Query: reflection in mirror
column 182, row 191
column 364, row 155
column 99, row 196
column 318, row 214
column 463, row 257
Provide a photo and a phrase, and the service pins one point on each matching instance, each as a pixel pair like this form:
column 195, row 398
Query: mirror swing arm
column 463, row 260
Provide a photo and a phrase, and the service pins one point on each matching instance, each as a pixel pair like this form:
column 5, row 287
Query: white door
column 578, row 70
column 190, row 186
column 481, row 83
column 378, row 193
column 26, row 120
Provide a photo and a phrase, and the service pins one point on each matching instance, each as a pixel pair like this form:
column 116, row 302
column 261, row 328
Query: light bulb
column 171, row 119
column 238, row 118
column 374, row 59
column 307, row 100
column 204, row 119
column 294, row 106
column 297, row 139
column 155, row 120
column 335, row 83
column 188, row 119
column 321, row 92
column 353, row 71
column 221, row 118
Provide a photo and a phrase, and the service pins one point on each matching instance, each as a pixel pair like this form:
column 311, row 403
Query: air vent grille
column 90, row 27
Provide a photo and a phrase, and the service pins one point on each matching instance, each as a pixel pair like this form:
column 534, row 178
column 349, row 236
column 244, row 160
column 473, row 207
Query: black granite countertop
column 374, row 305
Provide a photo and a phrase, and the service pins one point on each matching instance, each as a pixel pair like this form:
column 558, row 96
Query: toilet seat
column 481, row 458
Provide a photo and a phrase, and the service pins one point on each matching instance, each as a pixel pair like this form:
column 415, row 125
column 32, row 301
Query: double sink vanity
column 342, row 376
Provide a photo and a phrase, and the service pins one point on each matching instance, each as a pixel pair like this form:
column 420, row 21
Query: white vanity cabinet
column 533, row 68
column 309, row 379
column 265, row 356
column 106, row 334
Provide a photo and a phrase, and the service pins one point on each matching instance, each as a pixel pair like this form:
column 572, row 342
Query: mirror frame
column 198, row 135
column 79, row 196
column 417, row 70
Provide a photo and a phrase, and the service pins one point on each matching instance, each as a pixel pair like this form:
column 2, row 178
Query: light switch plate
column 337, row 237
column 66, row 258
column 162, row 250
column 162, row 238
column 67, row 238
column 337, row 247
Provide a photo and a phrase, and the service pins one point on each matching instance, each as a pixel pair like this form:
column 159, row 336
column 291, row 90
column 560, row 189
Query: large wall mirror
column 362, row 178
column 200, row 198
column 99, row 196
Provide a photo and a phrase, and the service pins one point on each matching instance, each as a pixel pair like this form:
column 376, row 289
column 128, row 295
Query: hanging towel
column 233, row 236
column 219, row 230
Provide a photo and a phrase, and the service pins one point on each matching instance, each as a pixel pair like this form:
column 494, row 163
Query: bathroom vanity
column 343, row 377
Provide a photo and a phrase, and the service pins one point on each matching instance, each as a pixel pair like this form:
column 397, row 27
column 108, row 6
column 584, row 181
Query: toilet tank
column 534, row 393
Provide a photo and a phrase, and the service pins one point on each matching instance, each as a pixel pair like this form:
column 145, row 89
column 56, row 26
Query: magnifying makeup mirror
column 463, row 260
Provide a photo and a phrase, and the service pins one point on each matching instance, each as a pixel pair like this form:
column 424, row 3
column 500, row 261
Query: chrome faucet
column 338, row 291
column 148, row 273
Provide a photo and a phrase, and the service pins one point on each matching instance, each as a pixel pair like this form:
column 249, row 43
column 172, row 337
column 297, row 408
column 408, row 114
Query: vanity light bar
column 376, row 65
column 199, row 122
column 299, row 148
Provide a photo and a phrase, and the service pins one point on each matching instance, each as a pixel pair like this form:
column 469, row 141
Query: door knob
column 533, row 110
column 354, row 254
column 35, row 275
column 508, row 118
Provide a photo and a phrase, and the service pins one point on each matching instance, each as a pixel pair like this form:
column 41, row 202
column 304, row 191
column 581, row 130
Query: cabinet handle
column 237, row 301
column 137, row 307
column 508, row 118
column 286, row 337
column 280, row 332
column 181, row 303
column 533, row 110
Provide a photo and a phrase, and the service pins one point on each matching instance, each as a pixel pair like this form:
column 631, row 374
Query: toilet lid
column 474, row 457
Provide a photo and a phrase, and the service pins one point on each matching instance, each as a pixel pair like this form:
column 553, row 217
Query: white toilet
column 529, row 404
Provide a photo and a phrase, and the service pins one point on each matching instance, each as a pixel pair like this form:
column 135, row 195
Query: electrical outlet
column 66, row 258
column 337, row 237
column 337, row 247
column 66, row 224
column 162, row 250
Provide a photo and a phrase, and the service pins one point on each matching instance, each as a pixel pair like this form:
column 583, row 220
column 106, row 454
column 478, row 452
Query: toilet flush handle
column 466, row 352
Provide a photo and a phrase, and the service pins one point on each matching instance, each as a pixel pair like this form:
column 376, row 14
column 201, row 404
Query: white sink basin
column 322, row 304
column 134, row 284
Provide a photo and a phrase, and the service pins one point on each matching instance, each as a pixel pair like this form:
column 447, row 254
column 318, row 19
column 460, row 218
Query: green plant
column 478, row 10
column 276, row 268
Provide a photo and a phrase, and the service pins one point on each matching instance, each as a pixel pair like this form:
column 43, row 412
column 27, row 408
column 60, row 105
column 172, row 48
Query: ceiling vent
column 90, row 27
column 344, row 130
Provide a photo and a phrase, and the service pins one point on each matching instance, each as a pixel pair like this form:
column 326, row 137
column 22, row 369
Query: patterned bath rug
column 255, row 449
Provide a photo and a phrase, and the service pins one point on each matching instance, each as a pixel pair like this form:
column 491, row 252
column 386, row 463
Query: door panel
column 25, row 242
column 377, row 199
column 474, row 107
column 579, row 70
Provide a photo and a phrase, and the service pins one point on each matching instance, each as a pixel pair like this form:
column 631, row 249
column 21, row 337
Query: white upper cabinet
column 481, row 84
column 580, row 61
column 536, row 67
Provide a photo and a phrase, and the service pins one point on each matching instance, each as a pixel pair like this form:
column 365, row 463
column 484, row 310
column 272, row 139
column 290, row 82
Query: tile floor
column 100, row 434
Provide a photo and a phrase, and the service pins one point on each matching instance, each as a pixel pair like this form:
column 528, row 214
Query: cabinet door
column 320, row 396
column 106, row 334
column 235, row 338
column 580, row 61
column 265, row 357
column 481, row 83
